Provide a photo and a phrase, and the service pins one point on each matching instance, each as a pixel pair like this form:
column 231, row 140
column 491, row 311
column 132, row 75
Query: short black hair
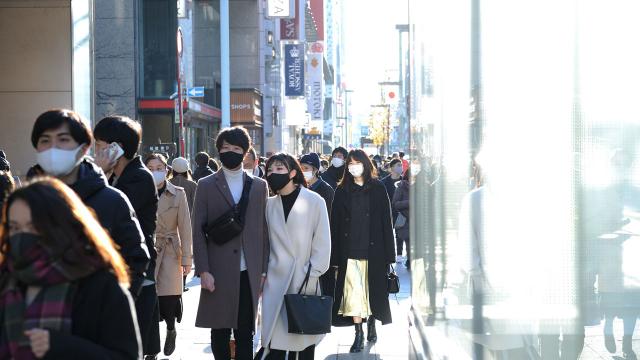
column 202, row 159
column 253, row 153
column 394, row 162
column 120, row 129
column 213, row 164
column 55, row 118
column 291, row 163
column 401, row 153
column 237, row 136
column 341, row 150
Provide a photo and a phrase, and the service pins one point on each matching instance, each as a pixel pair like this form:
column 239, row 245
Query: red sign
column 392, row 94
column 289, row 29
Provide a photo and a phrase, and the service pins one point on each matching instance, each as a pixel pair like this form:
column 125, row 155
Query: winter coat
column 189, row 187
column 103, row 323
column 325, row 190
column 303, row 239
column 219, row 309
column 173, row 240
column 201, row 172
column 401, row 205
column 381, row 248
column 137, row 183
column 117, row 216
column 390, row 185
column 333, row 175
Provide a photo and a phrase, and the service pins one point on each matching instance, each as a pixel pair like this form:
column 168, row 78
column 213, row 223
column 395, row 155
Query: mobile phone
column 115, row 151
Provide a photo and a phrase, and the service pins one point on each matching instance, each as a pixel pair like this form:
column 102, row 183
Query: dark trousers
column 400, row 245
column 148, row 320
column 168, row 309
column 243, row 334
column 306, row 354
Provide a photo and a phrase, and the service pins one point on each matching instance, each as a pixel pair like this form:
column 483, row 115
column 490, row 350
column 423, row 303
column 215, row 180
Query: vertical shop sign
column 289, row 28
column 315, row 91
column 294, row 69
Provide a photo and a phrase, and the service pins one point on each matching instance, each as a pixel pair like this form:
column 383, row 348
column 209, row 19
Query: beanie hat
column 180, row 165
column 311, row 159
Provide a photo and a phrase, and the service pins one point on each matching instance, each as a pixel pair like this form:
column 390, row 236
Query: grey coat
column 219, row 309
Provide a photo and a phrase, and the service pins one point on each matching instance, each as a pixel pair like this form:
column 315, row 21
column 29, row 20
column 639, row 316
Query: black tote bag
column 308, row 314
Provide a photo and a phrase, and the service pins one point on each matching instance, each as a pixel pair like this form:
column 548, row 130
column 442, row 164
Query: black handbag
column 230, row 224
column 393, row 282
column 308, row 314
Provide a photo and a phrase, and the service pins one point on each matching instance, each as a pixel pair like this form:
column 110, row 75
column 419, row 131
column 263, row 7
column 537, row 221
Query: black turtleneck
column 288, row 201
column 359, row 239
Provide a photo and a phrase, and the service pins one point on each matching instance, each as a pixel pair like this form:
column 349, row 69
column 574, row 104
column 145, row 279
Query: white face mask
column 337, row 162
column 308, row 175
column 159, row 176
column 58, row 162
column 356, row 170
column 398, row 169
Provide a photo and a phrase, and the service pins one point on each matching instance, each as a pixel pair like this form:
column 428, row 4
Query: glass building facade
column 525, row 201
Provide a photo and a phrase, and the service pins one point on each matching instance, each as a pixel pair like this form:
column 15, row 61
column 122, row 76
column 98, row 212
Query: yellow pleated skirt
column 355, row 298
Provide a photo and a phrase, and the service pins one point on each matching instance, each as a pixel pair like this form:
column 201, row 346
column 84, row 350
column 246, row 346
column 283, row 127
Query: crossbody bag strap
column 244, row 198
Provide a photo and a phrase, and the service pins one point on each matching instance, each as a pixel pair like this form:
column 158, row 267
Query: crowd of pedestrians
column 95, row 251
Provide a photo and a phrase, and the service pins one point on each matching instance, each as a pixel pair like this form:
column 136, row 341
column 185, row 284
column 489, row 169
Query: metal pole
column 224, row 64
column 179, row 78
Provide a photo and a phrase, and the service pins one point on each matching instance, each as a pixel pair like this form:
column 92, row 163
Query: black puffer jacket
column 137, row 183
column 116, row 215
column 333, row 176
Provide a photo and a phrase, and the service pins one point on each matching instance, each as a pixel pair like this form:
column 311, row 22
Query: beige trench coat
column 189, row 187
column 219, row 309
column 173, row 240
column 303, row 239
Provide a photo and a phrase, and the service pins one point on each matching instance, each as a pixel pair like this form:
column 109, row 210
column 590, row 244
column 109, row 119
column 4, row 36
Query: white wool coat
column 303, row 239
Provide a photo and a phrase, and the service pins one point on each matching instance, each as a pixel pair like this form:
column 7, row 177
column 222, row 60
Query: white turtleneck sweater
column 235, row 180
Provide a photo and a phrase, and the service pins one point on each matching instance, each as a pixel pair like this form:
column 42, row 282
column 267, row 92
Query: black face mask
column 231, row 159
column 278, row 181
column 21, row 243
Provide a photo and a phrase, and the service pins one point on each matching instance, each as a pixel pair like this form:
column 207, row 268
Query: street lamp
column 402, row 28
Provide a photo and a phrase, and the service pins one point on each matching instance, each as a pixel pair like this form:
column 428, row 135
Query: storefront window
column 158, row 26
column 525, row 196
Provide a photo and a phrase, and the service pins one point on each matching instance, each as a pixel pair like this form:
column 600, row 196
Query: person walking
column 181, row 177
column 203, row 169
column 62, row 282
column 232, row 270
column 173, row 245
column 334, row 173
column 362, row 249
column 251, row 162
column 389, row 181
column 61, row 140
column 300, row 241
column 129, row 175
column 400, row 204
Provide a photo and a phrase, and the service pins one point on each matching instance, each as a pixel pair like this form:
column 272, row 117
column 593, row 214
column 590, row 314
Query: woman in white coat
column 299, row 236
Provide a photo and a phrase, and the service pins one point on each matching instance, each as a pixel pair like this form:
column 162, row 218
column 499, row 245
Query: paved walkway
column 194, row 343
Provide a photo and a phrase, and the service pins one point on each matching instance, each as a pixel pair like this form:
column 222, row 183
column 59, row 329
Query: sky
column 371, row 48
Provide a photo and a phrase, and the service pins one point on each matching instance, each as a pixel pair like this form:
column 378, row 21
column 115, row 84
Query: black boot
column 627, row 349
column 372, row 336
column 170, row 342
column 358, row 342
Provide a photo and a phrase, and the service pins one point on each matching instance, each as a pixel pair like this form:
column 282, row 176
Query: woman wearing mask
column 56, row 256
column 300, row 242
column 173, row 245
column 401, row 205
column 362, row 249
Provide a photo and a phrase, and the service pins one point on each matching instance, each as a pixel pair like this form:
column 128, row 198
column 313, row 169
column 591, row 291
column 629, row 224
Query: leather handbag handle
column 306, row 281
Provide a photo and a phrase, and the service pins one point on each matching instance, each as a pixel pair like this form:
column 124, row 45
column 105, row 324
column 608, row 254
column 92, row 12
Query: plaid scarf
column 50, row 309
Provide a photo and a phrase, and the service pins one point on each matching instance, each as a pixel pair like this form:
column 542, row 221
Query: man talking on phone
column 62, row 139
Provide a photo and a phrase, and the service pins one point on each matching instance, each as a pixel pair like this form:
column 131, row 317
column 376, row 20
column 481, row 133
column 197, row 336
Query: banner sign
column 279, row 8
column 294, row 69
column 289, row 28
column 315, row 95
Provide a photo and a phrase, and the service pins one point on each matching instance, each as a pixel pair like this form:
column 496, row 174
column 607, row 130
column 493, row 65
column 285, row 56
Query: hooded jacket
column 116, row 215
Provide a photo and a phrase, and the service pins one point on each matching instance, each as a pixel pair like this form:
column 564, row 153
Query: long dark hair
column 68, row 228
column 369, row 170
column 290, row 163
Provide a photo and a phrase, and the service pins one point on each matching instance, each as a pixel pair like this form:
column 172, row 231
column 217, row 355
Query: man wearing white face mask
column 310, row 166
column 62, row 139
column 334, row 173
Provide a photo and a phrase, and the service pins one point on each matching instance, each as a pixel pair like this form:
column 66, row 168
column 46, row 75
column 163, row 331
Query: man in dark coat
column 310, row 164
column 131, row 176
column 334, row 173
column 65, row 130
column 202, row 169
column 395, row 167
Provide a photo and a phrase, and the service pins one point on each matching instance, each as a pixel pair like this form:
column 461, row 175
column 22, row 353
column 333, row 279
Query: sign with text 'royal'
column 279, row 8
column 294, row 69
